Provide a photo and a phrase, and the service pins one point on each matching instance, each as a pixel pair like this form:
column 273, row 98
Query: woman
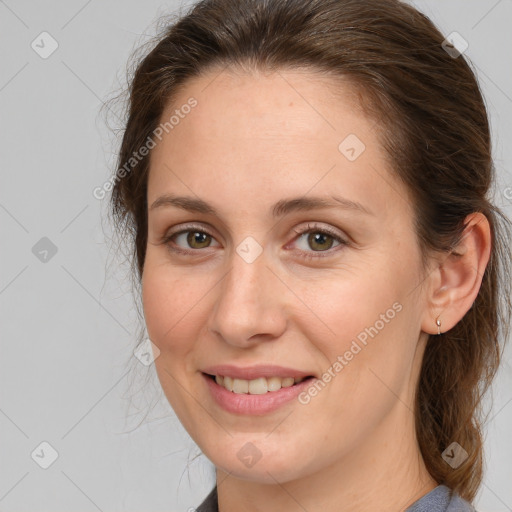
column 325, row 278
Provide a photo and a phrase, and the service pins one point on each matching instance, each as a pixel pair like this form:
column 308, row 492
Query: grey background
column 68, row 324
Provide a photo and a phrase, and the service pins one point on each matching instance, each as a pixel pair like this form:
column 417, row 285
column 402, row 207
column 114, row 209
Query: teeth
column 228, row 383
column 287, row 382
column 240, row 386
column 274, row 383
column 256, row 386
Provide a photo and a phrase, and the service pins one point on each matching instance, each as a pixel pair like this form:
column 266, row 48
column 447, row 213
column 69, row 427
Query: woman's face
column 280, row 247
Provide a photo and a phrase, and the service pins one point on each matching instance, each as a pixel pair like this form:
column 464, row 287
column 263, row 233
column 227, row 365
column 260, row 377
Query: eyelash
column 311, row 228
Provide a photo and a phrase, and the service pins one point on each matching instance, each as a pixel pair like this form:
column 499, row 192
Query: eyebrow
column 281, row 208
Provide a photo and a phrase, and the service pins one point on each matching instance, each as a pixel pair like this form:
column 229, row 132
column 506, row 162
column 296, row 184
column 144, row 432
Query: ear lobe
column 457, row 280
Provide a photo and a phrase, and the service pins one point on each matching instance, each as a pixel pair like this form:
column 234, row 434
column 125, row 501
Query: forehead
column 257, row 106
column 260, row 136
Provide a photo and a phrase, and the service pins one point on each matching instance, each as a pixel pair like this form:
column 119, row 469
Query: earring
column 438, row 323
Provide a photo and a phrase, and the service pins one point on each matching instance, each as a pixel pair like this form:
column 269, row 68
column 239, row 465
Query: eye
column 194, row 238
column 314, row 239
column 319, row 240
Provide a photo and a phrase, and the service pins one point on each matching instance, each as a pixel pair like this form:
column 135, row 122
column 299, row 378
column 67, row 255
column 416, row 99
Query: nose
column 250, row 306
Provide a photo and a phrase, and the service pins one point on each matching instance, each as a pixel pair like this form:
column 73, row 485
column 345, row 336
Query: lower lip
column 244, row 403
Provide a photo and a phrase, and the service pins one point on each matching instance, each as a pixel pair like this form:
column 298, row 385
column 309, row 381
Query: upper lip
column 254, row 372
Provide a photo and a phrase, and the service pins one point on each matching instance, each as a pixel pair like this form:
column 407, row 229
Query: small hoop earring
column 438, row 323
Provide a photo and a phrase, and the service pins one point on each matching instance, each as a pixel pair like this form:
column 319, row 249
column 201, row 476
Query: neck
column 379, row 475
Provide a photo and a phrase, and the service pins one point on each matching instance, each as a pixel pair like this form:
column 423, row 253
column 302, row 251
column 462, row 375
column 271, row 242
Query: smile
column 258, row 386
column 257, row 394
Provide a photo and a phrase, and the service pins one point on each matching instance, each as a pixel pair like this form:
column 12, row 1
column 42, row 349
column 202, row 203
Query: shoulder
column 441, row 499
column 457, row 504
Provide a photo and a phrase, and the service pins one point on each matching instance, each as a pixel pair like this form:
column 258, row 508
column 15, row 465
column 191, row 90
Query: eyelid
column 315, row 227
column 189, row 227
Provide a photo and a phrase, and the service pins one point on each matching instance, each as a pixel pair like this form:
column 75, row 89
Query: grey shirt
column 440, row 499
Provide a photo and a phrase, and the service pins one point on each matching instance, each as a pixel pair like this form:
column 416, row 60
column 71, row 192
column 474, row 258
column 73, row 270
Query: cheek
column 365, row 320
column 170, row 311
column 172, row 324
column 345, row 308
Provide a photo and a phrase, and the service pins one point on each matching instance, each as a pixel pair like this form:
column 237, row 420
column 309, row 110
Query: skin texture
column 254, row 139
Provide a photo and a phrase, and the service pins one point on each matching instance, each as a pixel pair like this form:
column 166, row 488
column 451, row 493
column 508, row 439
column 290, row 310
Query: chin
column 258, row 462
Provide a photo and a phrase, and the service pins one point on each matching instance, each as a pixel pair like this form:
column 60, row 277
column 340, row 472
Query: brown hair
column 433, row 124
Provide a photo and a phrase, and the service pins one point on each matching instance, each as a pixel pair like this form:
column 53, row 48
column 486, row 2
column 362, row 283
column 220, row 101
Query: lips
column 255, row 380
column 250, row 397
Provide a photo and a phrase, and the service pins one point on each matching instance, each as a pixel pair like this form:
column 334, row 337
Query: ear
column 456, row 279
